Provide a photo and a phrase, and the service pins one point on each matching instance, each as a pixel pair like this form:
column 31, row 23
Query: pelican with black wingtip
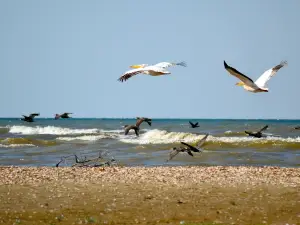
column 260, row 84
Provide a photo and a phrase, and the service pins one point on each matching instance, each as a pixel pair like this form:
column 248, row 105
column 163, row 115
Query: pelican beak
column 135, row 66
column 240, row 84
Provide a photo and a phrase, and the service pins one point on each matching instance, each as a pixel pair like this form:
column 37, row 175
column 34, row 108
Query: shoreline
column 228, row 175
column 150, row 195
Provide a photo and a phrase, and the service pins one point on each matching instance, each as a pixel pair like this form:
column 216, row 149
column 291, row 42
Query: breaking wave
column 165, row 137
column 16, row 145
column 86, row 137
column 26, row 142
column 52, row 130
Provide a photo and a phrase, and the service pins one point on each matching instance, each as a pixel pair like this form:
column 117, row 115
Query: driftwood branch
column 63, row 159
column 99, row 161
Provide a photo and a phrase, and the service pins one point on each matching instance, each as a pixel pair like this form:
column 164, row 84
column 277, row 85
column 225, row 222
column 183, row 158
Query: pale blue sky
column 66, row 55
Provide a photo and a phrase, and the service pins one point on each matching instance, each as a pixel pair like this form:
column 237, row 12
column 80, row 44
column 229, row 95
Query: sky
column 67, row 55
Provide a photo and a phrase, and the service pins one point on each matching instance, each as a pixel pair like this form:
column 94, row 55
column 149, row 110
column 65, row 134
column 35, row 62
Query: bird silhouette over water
column 63, row 116
column 187, row 148
column 257, row 134
column 136, row 127
column 194, row 125
column 30, row 117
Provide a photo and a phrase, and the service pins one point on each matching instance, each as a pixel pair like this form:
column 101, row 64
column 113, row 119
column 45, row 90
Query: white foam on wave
column 163, row 137
column 252, row 139
column 113, row 131
column 16, row 145
column 50, row 130
column 85, row 138
column 228, row 132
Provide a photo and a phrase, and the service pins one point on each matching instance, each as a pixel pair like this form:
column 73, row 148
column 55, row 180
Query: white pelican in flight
column 260, row 84
column 153, row 70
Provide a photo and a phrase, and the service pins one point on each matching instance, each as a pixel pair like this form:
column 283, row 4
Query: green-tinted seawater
column 45, row 141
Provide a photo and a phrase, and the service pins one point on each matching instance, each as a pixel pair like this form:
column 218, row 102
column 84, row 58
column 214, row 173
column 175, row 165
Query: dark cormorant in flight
column 257, row 134
column 187, row 148
column 30, row 117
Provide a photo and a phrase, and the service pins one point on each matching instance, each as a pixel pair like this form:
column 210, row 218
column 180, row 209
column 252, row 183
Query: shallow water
column 45, row 141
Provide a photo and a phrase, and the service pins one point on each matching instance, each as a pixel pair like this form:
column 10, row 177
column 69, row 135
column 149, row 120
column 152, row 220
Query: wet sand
column 155, row 195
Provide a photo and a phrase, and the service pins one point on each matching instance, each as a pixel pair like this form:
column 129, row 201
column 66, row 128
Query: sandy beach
column 150, row 195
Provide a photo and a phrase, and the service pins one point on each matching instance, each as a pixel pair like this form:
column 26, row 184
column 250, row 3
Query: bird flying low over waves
column 257, row 134
column 64, row 116
column 153, row 70
column 30, row 117
column 260, row 84
column 194, row 125
column 136, row 127
column 188, row 148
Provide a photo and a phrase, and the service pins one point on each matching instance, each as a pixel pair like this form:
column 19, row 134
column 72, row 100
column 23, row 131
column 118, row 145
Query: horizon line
column 161, row 118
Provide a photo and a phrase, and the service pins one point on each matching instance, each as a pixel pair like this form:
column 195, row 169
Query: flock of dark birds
column 187, row 147
column 139, row 120
column 30, row 118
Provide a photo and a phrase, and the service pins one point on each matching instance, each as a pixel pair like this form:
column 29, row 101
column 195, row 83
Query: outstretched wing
column 168, row 64
column 191, row 123
column 266, row 76
column 136, row 132
column 65, row 114
column 249, row 133
column 130, row 74
column 127, row 129
column 202, row 141
column 140, row 120
column 263, row 129
column 239, row 75
column 190, row 153
column 172, row 154
column 148, row 69
column 32, row 115
column 190, row 147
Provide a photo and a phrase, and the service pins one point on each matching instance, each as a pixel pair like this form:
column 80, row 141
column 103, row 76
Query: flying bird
column 30, row 117
column 194, row 125
column 260, row 84
column 136, row 127
column 187, row 148
column 64, row 116
column 257, row 134
column 153, row 70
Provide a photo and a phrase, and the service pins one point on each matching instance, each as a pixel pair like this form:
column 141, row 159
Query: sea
column 46, row 142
